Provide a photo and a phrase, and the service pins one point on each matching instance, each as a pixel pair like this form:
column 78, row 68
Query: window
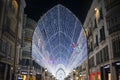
column 1, row 6
column 106, row 54
column 116, row 47
column 0, row 45
column 7, row 23
column 101, row 56
column 91, row 46
column 95, row 24
column 102, row 34
column 98, row 57
column 28, row 34
column 101, row 14
column 25, row 62
column 108, row 23
column 91, row 62
column 96, row 39
column 9, row 51
column 2, row 70
column 3, row 46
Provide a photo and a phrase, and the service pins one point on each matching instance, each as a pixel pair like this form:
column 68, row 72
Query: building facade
column 29, row 69
column 11, row 15
column 103, row 32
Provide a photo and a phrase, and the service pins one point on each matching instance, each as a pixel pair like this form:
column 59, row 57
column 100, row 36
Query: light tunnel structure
column 59, row 42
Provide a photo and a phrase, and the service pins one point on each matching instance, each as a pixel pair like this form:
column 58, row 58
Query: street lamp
column 45, row 73
column 46, row 70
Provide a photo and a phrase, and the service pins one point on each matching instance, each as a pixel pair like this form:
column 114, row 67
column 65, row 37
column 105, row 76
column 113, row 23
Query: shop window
column 2, row 71
column 8, row 72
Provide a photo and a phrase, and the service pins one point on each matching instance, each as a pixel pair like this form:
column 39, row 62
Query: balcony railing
column 116, row 54
column 112, row 4
column 102, row 38
column 90, row 34
column 96, row 45
column 26, row 54
column 9, row 31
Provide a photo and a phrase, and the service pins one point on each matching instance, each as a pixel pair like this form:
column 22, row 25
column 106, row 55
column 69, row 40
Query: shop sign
column 30, row 73
column 24, row 72
column 118, row 63
column 106, row 66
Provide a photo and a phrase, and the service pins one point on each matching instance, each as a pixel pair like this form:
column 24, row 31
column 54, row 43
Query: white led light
column 52, row 45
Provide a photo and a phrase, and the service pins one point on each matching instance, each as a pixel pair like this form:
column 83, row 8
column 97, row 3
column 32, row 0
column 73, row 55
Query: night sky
column 36, row 8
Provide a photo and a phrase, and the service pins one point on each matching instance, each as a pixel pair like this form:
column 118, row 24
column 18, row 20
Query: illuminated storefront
column 27, row 76
column 95, row 76
column 82, row 75
column 105, row 72
column 117, row 68
column 24, row 75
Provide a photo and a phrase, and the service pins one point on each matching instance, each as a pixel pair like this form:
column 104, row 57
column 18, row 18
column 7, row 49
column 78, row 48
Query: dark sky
column 36, row 8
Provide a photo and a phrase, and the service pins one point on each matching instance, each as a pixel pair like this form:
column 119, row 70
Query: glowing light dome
column 59, row 42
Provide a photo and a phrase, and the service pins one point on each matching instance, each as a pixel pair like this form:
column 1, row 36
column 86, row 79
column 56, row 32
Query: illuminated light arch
column 60, row 73
column 59, row 41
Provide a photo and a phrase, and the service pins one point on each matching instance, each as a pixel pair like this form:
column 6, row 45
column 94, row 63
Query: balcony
column 26, row 54
column 90, row 50
column 9, row 33
column 112, row 4
column 116, row 54
column 90, row 34
column 96, row 45
column 114, row 28
column 102, row 38
column 19, row 40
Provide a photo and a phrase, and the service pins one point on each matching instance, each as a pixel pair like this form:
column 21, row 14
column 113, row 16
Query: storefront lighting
column 77, row 78
column 19, row 78
column 11, row 68
column 23, row 72
column 118, row 64
column 107, row 66
column 31, row 73
column 80, row 75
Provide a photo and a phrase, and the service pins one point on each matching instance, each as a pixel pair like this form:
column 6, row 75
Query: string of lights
column 59, row 40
